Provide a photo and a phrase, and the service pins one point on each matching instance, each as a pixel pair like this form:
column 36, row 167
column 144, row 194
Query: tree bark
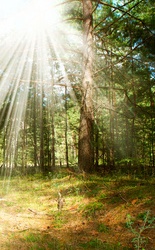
column 86, row 148
column 42, row 167
column 66, row 128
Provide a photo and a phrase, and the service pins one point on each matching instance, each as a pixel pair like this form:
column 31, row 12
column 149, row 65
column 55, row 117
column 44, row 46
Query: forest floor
column 108, row 213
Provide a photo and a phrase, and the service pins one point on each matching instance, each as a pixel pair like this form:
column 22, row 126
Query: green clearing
column 99, row 212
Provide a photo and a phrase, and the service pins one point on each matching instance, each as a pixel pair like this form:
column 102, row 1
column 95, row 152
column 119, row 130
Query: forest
column 77, row 125
column 92, row 104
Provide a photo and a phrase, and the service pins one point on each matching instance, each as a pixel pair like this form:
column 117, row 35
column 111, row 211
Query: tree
column 86, row 151
column 110, row 97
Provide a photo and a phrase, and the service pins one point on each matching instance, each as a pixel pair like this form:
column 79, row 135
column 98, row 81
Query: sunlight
column 40, row 14
column 34, row 45
column 30, row 16
column 23, row 35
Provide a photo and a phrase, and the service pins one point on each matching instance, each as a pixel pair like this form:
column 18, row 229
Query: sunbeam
column 33, row 38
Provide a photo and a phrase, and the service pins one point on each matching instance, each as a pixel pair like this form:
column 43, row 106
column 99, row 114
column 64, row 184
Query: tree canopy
column 89, row 101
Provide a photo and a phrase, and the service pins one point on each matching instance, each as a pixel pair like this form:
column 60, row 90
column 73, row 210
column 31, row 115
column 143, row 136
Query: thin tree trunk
column 66, row 128
column 24, row 151
column 35, row 129
column 53, row 143
column 41, row 133
column 111, row 113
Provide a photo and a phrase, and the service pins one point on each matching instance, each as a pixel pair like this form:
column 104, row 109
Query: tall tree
column 86, row 151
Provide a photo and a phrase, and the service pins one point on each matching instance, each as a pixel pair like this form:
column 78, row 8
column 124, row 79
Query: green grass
column 103, row 228
column 99, row 245
column 92, row 209
column 95, row 209
column 31, row 237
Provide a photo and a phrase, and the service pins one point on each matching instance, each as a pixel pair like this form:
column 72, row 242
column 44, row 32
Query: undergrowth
column 96, row 214
column 148, row 222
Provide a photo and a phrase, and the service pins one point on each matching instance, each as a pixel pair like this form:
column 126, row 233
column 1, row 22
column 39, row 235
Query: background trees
column 110, row 97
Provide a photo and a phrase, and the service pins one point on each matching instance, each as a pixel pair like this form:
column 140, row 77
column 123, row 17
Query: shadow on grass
column 45, row 241
column 36, row 241
column 94, row 197
column 113, row 190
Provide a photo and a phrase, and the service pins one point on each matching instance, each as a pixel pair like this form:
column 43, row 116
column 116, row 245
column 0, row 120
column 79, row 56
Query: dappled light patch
column 30, row 219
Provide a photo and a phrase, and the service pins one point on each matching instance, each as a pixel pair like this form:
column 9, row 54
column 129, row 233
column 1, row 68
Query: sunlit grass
column 93, row 210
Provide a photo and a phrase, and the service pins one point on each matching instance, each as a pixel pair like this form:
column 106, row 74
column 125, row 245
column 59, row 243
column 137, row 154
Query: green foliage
column 99, row 245
column 103, row 228
column 31, row 237
column 124, row 78
column 42, row 242
column 148, row 222
column 92, row 208
column 59, row 220
column 91, row 214
column 54, row 244
column 102, row 197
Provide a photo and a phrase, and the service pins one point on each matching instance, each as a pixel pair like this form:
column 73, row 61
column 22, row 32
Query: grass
column 92, row 209
column 103, row 228
column 99, row 245
column 93, row 217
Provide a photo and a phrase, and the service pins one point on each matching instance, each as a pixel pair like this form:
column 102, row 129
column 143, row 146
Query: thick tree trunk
column 86, row 149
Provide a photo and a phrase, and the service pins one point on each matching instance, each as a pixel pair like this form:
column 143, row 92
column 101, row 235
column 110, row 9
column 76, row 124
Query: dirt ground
column 14, row 224
column 45, row 228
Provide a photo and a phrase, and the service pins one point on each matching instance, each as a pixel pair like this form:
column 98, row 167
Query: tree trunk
column 66, row 128
column 86, row 149
column 53, row 143
column 42, row 167
column 35, row 130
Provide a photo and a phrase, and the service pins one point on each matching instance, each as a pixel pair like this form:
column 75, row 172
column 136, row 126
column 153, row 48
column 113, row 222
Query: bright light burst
column 32, row 16
column 37, row 15
column 32, row 39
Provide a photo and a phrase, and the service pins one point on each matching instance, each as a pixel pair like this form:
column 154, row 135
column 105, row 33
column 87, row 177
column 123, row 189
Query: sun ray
column 32, row 40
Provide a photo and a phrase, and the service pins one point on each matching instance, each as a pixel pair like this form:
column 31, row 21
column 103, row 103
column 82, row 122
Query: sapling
column 148, row 223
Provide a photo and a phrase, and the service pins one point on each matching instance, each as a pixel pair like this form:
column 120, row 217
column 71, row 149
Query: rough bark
column 86, row 150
